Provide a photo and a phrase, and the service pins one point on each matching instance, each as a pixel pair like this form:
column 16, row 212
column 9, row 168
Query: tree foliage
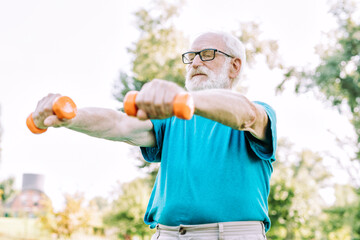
column 72, row 218
column 7, row 189
column 250, row 34
column 296, row 208
column 295, row 204
column 342, row 219
column 337, row 77
column 156, row 54
column 128, row 210
column 338, row 74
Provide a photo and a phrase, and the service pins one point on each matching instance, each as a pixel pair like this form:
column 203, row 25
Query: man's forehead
column 208, row 40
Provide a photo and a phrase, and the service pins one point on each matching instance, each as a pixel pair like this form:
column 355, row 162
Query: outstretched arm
column 113, row 125
column 97, row 122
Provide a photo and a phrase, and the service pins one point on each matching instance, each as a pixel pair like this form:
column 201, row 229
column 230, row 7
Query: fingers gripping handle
column 183, row 105
column 32, row 127
column 63, row 107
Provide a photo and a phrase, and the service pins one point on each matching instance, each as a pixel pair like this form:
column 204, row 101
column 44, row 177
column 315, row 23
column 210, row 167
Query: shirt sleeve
column 153, row 154
column 265, row 150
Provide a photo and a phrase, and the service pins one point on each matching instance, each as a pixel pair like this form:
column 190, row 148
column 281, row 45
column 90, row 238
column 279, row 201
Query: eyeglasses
column 205, row 55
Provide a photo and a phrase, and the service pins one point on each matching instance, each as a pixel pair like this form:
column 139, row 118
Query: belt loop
column 221, row 231
column 157, row 231
column 263, row 229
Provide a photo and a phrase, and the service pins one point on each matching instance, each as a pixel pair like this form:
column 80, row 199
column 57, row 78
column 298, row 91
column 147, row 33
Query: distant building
column 31, row 200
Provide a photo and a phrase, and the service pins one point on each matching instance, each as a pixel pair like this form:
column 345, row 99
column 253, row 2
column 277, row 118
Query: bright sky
column 77, row 48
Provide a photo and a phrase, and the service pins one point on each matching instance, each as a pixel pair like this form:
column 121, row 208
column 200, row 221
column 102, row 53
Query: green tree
column 342, row 219
column 100, row 203
column 295, row 204
column 338, row 74
column 250, row 34
column 337, row 77
column 97, row 208
column 128, row 210
column 7, row 189
column 156, row 52
column 72, row 218
column 356, row 223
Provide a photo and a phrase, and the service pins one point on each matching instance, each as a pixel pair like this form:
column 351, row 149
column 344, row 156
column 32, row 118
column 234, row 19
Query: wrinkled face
column 208, row 74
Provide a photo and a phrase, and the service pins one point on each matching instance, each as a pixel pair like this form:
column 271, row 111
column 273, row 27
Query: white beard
column 221, row 80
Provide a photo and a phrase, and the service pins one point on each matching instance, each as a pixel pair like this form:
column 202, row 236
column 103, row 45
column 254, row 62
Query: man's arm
column 231, row 109
column 225, row 106
column 98, row 122
column 113, row 125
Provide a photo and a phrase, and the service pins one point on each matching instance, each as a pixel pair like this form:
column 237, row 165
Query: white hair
column 235, row 48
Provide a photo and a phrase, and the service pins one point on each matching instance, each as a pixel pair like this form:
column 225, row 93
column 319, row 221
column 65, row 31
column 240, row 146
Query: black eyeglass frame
column 199, row 53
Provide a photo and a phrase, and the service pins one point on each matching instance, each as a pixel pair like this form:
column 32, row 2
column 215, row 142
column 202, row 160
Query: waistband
column 222, row 228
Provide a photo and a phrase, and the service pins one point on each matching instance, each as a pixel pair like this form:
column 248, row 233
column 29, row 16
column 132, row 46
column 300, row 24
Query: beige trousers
column 245, row 230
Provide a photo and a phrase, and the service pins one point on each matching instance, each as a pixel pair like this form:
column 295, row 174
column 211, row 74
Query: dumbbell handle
column 63, row 107
column 183, row 105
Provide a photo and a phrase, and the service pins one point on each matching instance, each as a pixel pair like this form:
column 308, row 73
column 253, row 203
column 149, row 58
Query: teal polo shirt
column 209, row 172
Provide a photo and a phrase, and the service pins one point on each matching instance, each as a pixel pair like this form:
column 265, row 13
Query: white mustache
column 199, row 70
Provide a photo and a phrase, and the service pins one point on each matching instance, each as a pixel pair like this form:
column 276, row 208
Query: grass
column 21, row 228
column 30, row 229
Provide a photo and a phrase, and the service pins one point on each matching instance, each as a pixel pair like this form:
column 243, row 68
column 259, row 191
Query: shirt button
column 182, row 231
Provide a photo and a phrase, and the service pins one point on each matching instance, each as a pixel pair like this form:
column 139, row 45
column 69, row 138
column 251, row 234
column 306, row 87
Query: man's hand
column 155, row 100
column 44, row 115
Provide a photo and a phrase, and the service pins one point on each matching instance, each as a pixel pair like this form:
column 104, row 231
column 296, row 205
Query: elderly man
column 215, row 169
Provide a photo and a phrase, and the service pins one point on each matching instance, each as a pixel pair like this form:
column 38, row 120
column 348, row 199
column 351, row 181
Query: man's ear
column 235, row 67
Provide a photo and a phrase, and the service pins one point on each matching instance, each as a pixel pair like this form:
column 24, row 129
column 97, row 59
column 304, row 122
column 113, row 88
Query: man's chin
column 196, row 83
column 202, row 85
column 196, row 86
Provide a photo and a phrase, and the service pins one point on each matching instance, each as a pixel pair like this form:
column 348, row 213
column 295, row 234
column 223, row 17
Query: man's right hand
column 155, row 99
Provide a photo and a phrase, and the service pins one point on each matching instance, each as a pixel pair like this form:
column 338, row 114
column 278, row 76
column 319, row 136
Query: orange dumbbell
column 183, row 105
column 63, row 107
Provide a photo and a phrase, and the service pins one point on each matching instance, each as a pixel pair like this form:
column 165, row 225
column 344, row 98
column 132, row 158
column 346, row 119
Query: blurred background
column 303, row 60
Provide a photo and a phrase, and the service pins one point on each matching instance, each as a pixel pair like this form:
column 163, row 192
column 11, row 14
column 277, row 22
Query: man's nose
column 197, row 62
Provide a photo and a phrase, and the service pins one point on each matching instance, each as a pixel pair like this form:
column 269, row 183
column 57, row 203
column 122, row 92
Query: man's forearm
column 231, row 109
column 112, row 125
column 97, row 122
